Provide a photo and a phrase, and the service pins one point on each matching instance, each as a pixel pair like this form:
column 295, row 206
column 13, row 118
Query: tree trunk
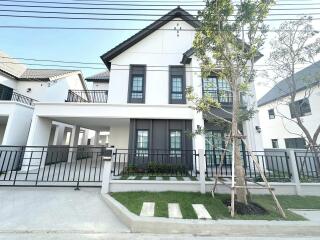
column 241, row 193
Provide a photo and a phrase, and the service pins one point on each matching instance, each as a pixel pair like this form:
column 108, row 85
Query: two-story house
column 278, row 116
column 146, row 105
column 21, row 87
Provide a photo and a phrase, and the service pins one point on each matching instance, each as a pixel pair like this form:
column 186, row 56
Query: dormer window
column 137, row 83
column 177, row 85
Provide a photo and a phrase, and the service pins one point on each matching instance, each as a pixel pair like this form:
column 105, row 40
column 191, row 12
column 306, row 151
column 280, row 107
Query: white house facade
column 146, row 105
column 21, row 88
column 277, row 118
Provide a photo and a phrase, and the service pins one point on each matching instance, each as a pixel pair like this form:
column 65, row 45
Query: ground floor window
column 215, row 145
column 142, row 144
column 298, row 143
column 175, row 142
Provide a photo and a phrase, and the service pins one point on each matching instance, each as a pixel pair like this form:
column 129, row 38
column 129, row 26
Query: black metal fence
column 92, row 96
column 47, row 166
column 275, row 165
column 308, row 164
column 155, row 162
column 22, row 99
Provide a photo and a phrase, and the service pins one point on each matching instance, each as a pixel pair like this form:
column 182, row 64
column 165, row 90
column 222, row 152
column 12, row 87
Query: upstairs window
column 300, row 108
column 218, row 89
column 271, row 114
column 177, row 85
column 297, row 143
column 137, row 84
column 274, row 143
column 5, row 92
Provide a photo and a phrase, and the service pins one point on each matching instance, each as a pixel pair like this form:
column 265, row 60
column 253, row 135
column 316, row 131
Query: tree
column 295, row 44
column 227, row 44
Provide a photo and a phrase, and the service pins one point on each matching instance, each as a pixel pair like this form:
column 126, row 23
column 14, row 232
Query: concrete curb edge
column 247, row 228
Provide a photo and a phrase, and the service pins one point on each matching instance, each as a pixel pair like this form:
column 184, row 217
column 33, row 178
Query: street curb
column 246, row 228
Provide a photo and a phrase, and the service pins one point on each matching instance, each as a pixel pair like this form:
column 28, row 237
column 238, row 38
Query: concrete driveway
column 56, row 210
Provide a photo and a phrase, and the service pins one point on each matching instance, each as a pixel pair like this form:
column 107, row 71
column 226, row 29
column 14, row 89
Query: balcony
column 87, row 96
column 17, row 97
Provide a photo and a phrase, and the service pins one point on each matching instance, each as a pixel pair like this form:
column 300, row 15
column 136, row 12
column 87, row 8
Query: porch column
column 96, row 138
column 74, row 143
column 85, row 137
column 58, row 135
column 38, row 136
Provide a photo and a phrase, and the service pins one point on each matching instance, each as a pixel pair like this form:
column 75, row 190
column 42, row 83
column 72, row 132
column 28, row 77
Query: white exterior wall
column 278, row 128
column 100, row 86
column 253, row 137
column 7, row 81
column 18, row 123
column 119, row 136
column 53, row 91
column 161, row 48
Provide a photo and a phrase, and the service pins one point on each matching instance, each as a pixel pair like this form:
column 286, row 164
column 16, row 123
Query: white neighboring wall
column 53, row 91
column 280, row 128
column 100, row 86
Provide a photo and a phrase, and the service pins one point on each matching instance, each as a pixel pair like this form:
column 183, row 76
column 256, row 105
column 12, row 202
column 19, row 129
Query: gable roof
column 45, row 74
column 281, row 89
column 11, row 66
column 99, row 77
column 177, row 12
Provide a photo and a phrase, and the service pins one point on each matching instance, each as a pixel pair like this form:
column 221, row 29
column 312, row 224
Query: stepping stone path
column 201, row 211
column 174, row 210
column 131, row 177
column 147, row 209
column 173, row 179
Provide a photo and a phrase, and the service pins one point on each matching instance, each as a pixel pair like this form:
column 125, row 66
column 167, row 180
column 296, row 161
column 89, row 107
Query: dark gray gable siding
column 281, row 89
column 177, row 12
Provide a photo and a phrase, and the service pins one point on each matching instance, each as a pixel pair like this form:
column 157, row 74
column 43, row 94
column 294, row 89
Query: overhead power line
column 127, row 14
column 121, row 19
column 138, row 7
column 144, row 3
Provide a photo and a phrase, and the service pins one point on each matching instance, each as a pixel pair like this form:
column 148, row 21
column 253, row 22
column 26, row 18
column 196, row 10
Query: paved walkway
column 56, row 209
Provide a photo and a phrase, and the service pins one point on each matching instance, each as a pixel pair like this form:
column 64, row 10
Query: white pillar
column 38, row 136
column 106, row 177
column 96, row 138
column 294, row 170
column 199, row 139
column 85, row 137
column 202, row 164
column 74, row 143
column 59, row 135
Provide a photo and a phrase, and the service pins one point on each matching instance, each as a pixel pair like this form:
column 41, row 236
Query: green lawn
column 133, row 201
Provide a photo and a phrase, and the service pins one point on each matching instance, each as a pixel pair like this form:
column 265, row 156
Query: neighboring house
column 276, row 115
column 146, row 106
column 21, row 88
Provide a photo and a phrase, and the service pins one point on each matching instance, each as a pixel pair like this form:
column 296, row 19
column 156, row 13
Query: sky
column 88, row 46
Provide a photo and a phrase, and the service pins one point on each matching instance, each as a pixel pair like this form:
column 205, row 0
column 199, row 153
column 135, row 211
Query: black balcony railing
column 223, row 97
column 89, row 96
column 22, row 99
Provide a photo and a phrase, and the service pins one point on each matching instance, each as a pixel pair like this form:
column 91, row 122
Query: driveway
column 56, row 210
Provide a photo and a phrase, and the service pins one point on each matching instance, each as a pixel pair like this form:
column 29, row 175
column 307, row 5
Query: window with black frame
column 300, row 108
column 175, row 143
column 177, row 85
column 215, row 145
column 218, row 89
column 5, row 92
column 142, row 143
column 271, row 114
column 137, row 84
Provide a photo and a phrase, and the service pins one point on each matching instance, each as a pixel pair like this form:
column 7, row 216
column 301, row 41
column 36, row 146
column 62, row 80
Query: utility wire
column 120, row 3
column 128, row 14
column 134, row 9
column 123, row 19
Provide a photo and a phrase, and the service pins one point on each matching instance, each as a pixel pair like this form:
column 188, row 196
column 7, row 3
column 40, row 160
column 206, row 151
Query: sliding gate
column 52, row 166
